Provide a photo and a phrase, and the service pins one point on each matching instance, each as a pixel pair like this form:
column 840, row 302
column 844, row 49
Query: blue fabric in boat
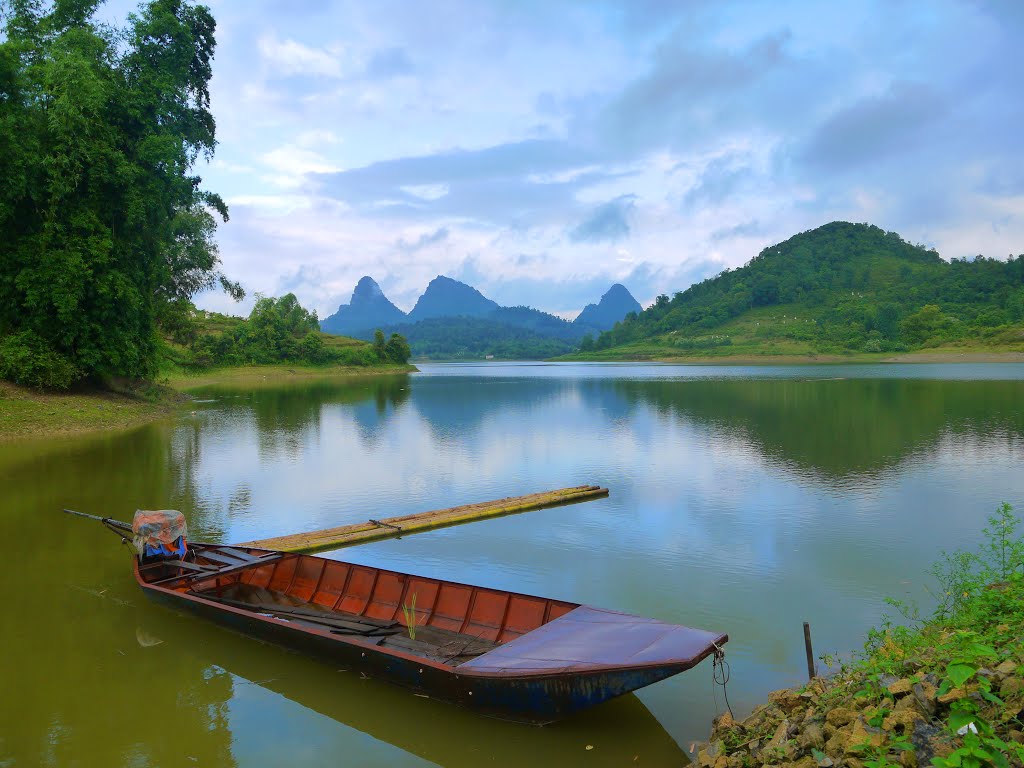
column 592, row 638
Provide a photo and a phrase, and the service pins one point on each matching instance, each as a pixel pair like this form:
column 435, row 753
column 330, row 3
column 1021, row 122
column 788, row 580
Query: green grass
column 26, row 413
column 274, row 374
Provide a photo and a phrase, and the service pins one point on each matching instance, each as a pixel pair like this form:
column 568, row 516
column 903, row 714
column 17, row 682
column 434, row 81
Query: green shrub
column 27, row 359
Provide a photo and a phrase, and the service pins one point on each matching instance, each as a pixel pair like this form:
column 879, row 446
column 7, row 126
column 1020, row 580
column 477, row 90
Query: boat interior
column 445, row 622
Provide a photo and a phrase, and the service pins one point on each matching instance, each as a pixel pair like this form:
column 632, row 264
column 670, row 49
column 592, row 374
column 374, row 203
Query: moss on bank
column 27, row 413
column 945, row 691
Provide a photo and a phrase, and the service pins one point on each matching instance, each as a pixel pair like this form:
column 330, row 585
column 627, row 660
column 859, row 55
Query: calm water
column 743, row 499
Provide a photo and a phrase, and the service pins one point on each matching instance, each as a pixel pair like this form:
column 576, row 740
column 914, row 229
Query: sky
column 542, row 151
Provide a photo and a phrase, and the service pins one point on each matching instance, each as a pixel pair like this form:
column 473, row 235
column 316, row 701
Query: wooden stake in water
column 810, row 653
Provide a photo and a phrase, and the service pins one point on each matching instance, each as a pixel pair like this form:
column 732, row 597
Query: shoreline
column 904, row 704
column 945, row 356
column 27, row 414
column 275, row 374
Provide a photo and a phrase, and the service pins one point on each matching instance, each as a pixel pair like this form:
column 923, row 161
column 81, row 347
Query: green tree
column 397, row 349
column 275, row 327
column 766, row 291
column 923, row 324
column 379, row 344
column 887, row 319
column 102, row 228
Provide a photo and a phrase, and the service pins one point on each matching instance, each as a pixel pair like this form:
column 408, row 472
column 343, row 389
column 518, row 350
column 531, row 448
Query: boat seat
column 591, row 638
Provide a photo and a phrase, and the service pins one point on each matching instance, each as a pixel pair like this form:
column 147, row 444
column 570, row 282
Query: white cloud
column 289, row 57
column 317, row 138
column 292, row 163
column 426, row 191
column 271, row 203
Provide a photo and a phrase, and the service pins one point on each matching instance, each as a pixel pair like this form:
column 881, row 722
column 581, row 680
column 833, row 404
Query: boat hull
column 537, row 700
column 574, row 658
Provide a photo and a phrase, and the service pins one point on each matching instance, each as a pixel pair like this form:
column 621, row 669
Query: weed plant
column 976, row 627
column 409, row 612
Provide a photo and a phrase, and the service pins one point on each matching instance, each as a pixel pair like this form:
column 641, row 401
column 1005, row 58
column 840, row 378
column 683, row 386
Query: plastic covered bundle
column 159, row 532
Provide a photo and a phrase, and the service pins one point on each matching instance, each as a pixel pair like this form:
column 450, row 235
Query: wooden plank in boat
column 215, row 555
column 239, row 554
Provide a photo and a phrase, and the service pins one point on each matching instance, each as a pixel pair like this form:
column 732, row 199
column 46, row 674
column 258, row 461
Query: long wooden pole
column 394, row 527
column 105, row 520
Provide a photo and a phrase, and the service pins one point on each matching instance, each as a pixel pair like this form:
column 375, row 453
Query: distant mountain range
column 452, row 319
column 614, row 305
column 369, row 308
column 445, row 297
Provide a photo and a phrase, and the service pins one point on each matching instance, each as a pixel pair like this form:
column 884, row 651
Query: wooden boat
column 508, row 655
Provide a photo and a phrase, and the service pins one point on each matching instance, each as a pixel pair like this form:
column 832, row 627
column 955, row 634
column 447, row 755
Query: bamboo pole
column 392, row 527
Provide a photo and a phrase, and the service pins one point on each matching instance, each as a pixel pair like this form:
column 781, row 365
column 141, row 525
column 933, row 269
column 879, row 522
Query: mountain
column 613, row 307
column 838, row 288
column 368, row 308
column 453, row 320
column 445, row 297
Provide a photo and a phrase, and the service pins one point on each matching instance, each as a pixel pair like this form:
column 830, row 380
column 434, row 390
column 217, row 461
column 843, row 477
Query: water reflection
column 268, row 682
column 829, row 430
column 78, row 688
column 837, row 429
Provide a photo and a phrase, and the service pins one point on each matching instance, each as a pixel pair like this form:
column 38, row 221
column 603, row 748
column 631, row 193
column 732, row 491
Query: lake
column 743, row 499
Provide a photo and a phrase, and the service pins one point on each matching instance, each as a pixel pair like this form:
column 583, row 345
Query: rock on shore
column 846, row 721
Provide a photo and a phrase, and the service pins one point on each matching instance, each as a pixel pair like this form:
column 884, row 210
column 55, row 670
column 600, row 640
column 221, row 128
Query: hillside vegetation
column 839, row 288
column 276, row 331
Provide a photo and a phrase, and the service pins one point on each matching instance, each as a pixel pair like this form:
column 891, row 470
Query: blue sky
column 544, row 150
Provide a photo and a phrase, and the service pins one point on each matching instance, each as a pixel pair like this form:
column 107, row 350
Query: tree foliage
column 281, row 330
column 103, row 229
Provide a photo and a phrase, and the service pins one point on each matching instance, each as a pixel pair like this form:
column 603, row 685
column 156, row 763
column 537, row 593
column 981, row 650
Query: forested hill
column 840, row 287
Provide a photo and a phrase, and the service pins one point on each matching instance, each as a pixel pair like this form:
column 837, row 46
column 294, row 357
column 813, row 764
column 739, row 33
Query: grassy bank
column 27, row 413
column 946, row 690
column 275, row 374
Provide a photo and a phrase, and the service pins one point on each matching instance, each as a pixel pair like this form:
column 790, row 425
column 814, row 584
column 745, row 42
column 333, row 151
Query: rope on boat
column 720, row 674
